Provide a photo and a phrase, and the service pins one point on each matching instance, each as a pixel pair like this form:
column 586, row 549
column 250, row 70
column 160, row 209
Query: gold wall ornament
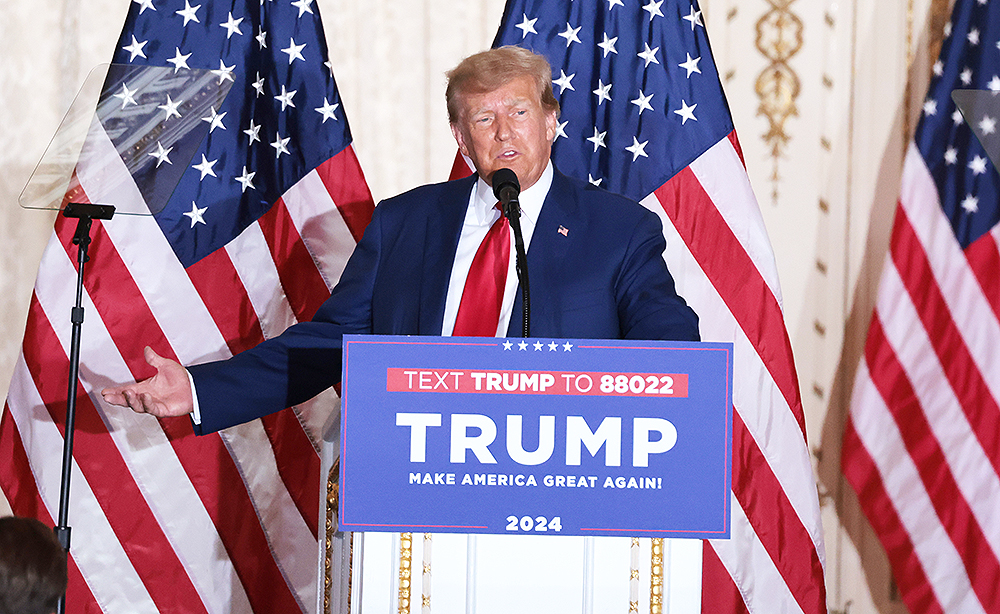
column 779, row 37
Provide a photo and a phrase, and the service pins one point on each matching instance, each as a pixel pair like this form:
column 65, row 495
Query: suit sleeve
column 301, row 362
column 648, row 304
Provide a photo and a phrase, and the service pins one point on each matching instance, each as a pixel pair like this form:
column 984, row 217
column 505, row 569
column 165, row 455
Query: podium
column 534, row 475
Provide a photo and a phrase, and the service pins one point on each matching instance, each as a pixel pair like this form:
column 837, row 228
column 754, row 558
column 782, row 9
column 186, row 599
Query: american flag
column 264, row 216
column 644, row 114
column 921, row 446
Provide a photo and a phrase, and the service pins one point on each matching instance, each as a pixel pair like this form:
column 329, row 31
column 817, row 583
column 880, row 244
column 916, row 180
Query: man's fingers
column 152, row 358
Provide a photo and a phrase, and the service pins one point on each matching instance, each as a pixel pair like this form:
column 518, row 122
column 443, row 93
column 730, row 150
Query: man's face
column 507, row 128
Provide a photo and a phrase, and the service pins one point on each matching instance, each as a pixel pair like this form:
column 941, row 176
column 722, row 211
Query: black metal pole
column 85, row 214
column 513, row 213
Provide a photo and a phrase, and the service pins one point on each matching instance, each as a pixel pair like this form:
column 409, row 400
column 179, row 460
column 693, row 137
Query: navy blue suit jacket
column 603, row 278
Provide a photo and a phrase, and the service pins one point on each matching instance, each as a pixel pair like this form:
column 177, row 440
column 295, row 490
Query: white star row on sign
column 538, row 345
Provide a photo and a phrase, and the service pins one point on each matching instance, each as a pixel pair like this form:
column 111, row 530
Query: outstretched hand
column 166, row 394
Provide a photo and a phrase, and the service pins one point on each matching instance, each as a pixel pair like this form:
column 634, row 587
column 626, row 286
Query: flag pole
column 85, row 214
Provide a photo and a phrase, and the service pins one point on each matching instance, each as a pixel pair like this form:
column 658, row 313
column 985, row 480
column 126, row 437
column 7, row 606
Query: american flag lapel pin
column 563, row 230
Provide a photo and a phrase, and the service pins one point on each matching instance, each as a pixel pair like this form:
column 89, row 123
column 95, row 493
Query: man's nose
column 503, row 128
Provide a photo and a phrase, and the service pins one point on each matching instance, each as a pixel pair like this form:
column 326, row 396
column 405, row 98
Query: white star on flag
column 643, row 102
column 279, row 145
column 285, row 98
column 189, row 13
column 653, row 8
column 224, row 73
column 691, row 65
column 196, row 214
column 294, row 51
column 978, row 165
column 686, row 112
column 246, row 180
column 608, row 45
column 135, row 49
column 126, row 96
column 328, row 111
column 598, row 139
column 214, row 120
column 570, row 35
column 637, row 149
column 179, row 60
column 161, row 154
column 232, row 26
column 303, row 6
column 649, row 55
column 170, row 107
column 205, row 167
column 603, row 92
column 253, row 132
column 527, row 26
column 564, row 82
column 695, row 18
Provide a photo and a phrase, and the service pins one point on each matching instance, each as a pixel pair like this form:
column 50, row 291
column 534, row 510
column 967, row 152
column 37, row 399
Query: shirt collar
column 531, row 200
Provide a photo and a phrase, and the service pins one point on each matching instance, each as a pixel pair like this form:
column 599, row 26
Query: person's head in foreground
column 32, row 567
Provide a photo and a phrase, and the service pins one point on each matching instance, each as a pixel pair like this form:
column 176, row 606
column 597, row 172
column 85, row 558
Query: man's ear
column 460, row 139
column 551, row 121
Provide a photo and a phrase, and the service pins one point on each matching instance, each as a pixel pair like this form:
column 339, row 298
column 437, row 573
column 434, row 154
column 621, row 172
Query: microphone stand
column 512, row 210
column 85, row 214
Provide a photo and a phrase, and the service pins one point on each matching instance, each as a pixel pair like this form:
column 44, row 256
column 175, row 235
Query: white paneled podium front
column 447, row 573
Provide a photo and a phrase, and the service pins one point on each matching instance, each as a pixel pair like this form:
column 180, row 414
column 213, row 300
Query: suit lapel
column 444, row 227
column 549, row 245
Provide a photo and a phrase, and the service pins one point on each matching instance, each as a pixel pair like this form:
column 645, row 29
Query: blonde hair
column 488, row 70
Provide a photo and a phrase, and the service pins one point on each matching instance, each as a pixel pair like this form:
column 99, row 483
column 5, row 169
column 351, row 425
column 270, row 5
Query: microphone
column 506, row 188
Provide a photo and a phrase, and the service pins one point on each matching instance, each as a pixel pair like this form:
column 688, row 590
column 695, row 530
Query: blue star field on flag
column 639, row 93
column 966, row 179
column 281, row 119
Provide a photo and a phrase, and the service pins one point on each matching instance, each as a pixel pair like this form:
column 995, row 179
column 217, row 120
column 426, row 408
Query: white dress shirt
column 479, row 217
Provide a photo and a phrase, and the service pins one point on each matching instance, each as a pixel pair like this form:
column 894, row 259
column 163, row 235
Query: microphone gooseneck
column 507, row 188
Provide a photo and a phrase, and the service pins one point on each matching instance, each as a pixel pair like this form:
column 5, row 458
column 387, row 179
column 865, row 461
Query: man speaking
column 438, row 260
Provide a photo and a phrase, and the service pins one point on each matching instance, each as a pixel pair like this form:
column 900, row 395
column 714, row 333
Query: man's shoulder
column 592, row 198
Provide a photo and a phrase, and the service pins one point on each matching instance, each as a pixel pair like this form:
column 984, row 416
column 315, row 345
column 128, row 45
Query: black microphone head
column 505, row 184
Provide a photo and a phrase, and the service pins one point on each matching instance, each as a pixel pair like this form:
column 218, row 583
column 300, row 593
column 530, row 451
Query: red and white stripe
column 720, row 256
column 162, row 520
column 921, row 446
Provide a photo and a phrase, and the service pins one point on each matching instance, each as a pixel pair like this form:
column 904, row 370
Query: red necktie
column 479, row 311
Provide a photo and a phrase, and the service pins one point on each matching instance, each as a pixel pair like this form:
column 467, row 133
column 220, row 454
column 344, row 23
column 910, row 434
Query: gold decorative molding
column 425, row 581
column 405, row 569
column 332, row 504
column 779, row 38
column 633, row 593
column 656, row 577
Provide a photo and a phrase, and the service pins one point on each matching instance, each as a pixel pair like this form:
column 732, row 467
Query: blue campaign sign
column 539, row 436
